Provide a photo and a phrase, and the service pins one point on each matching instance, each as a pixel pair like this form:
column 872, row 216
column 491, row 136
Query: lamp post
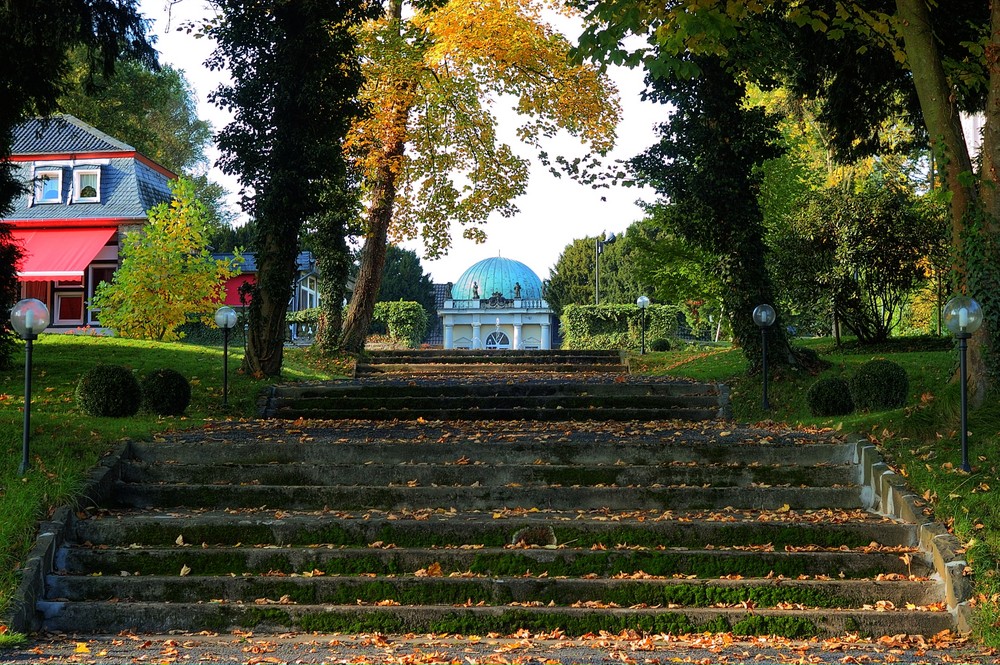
column 963, row 316
column 225, row 318
column 598, row 250
column 29, row 317
column 764, row 316
column 643, row 303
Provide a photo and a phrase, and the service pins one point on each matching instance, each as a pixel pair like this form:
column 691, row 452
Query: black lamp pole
column 763, row 366
column 963, row 344
column 764, row 316
column 225, row 367
column 643, row 331
column 25, row 446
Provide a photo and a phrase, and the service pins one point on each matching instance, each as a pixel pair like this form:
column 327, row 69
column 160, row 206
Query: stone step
column 499, row 562
column 460, row 355
column 493, row 402
column 104, row 617
column 498, row 400
column 468, row 368
column 529, row 413
column 830, row 529
column 144, row 495
column 464, row 475
column 420, row 388
column 412, row 590
column 433, row 445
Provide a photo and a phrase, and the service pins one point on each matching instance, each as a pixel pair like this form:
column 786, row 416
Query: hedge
column 616, row 326
column 405, row 321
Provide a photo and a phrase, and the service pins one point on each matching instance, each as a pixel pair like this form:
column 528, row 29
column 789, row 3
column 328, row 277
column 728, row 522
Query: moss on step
column 511, row 621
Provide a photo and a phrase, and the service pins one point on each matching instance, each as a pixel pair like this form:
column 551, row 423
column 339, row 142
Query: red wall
column 233, row 288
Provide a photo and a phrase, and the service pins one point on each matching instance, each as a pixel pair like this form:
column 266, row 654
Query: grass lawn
column 920, row 440
column 65, row 443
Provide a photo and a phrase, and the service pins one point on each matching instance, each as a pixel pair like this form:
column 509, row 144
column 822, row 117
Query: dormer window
column 48, row 186
column 87, row 185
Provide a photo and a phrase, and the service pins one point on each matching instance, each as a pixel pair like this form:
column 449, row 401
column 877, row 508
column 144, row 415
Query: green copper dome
column 497, row 274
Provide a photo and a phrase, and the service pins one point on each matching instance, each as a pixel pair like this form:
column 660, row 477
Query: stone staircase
column 477, row 527
column 435, row 362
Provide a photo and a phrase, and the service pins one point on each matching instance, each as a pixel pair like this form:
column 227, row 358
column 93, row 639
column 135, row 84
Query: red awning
column 58, row 254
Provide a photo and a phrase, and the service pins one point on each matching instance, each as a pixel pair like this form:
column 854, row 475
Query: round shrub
column 830, row 397
column 109, row 391
column 879, row 385
column 165, row 392
column 659, row 344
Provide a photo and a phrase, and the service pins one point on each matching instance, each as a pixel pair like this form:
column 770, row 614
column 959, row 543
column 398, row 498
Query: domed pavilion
column 497, row 304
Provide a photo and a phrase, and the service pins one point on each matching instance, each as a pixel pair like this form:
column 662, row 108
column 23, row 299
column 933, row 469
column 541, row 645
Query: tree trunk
column 266, row 333
column 366, row 287
column 941, row 116
column 383, row 196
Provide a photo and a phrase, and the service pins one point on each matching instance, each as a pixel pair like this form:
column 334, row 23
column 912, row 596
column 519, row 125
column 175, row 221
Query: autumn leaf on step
column 185, row 571
column 81, row 647
column 433, row 570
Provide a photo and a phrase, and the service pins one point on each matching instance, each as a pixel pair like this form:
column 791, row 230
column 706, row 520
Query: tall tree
column 403, row 278
column 294, row 90
column 948, row 49
column 429, row 154
column 154, row 110
column 706, row 165
column 35, row 39
column 571, row 279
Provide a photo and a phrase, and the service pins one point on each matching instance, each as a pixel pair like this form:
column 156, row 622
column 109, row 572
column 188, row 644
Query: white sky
column 554, row 211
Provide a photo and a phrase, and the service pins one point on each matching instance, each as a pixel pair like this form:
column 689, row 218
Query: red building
column 85, row 189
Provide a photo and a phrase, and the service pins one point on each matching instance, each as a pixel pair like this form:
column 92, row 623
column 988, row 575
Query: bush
column 109, row 391
column 879, row 385
column 165, row 392
column 659, row 344
column 830, row 397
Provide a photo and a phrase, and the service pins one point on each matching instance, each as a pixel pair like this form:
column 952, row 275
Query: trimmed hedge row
column 616, row 326
column 113, row 391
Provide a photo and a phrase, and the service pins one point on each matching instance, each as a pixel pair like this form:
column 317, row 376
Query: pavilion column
column 477, row 342
column 516, row 342
column 546, row 338
column 449, row 336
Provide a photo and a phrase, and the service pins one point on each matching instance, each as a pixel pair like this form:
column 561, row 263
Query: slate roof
column 63, row 134
column 129, row 186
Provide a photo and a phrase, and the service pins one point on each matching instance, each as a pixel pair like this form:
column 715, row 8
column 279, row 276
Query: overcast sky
column 553, row 212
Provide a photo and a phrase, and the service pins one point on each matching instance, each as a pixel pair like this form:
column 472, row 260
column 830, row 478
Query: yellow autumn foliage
column 433, row 82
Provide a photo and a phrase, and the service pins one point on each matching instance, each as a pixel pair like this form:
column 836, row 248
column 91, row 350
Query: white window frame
column 310, row 293
column 57, row 301
column 497, row 340
column 77, row 196
column 41, row 175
